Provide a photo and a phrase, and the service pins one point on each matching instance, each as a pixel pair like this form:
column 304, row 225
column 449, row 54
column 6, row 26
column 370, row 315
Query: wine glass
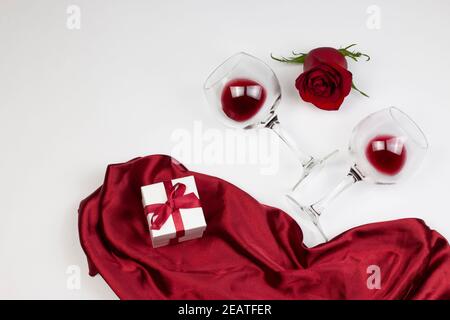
column 244, row 92
column 386, row 147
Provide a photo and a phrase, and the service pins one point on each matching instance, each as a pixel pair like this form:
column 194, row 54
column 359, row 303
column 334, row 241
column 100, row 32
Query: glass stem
column 275, row 126
column 352, row 177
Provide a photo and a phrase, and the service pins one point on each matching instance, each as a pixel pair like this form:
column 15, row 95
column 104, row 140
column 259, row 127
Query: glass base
column 308, row 213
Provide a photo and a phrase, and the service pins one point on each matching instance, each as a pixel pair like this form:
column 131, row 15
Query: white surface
column 73, row 101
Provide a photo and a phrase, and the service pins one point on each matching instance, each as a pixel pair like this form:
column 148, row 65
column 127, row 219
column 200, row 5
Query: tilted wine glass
column 386, row 147
column 245, row 92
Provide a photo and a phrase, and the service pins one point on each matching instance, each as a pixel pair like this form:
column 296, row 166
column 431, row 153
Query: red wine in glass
column 387, row 154
column 242, row 99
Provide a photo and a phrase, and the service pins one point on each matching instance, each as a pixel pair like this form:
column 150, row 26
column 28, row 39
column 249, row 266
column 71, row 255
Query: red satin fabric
column 249, row 250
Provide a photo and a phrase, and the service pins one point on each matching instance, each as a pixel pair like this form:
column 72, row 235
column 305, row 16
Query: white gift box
column 193, row 218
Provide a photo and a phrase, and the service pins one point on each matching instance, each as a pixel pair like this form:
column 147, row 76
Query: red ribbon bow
column 176, row 199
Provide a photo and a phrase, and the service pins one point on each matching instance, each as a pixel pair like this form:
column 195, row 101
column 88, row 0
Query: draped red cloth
column 249, row 250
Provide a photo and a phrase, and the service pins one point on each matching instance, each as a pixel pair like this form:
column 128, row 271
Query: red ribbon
column 176, row 199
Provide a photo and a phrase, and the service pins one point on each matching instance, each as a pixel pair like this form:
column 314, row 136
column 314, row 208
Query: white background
column 73, row 101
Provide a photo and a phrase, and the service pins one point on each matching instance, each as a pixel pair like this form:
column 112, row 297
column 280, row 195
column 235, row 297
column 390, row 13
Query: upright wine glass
column 386, row 147
column 245, row 92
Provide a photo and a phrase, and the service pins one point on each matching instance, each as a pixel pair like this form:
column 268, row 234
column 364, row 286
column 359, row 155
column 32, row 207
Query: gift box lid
column 193, row 219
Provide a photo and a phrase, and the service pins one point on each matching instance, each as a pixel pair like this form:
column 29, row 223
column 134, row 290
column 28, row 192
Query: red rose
column 325, row 80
